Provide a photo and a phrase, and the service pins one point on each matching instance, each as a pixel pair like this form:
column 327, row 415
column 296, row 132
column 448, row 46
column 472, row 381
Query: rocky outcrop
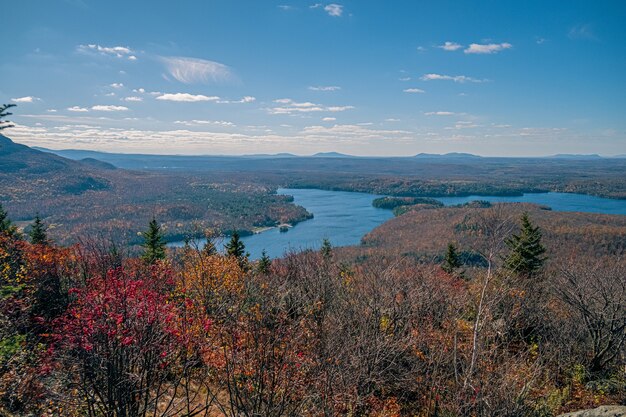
column 604, row 411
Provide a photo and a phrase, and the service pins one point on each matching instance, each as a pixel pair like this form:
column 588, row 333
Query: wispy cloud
column 78, row 109
column 288, row 106
column 132, row 98
column 27, row 99
column 109, row 108
column 333, row 9
column 325, row 88
column 490, row 48
column 414, row 90
column 582, row 32
column 285, row 7
column 195, row 70
column 439, row 113
column 455, row 78
column 329, row 119
column 114, row 51
column 450, row 46
column 222, row 123
column 245, row 99
column 116, row 85
column 186, row 97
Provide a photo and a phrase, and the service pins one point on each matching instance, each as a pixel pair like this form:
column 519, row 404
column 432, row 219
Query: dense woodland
column 87, row 330
column 120, row 202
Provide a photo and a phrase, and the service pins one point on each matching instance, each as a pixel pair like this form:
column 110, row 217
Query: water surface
column 345, row 217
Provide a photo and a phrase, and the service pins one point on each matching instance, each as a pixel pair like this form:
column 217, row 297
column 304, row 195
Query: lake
column 345, row 217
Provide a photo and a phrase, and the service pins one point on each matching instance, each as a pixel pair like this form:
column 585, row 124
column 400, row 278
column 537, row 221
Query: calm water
column 345, row 217
column 556, row 201
column 341, row 217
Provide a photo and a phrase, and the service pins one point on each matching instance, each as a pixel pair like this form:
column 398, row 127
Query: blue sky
column 362, row 77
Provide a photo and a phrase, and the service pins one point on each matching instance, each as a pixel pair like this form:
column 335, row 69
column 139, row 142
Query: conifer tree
column 5, row 224
column 264, row 264
column 327, row 249
column 235, row 246
column 154, row 244
column 525, row 249
column 451, row 261
column 37, row 232
column 5, row 124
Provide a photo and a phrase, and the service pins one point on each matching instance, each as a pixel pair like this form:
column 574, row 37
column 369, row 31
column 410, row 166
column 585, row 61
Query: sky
column 384, row 78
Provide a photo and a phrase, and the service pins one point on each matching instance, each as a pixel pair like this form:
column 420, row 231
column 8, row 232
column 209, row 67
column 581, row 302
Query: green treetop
column 5, row 224
column 451, row 262
column 525, row 249
column 37, row 232
column 154, row 243
column 264, row 264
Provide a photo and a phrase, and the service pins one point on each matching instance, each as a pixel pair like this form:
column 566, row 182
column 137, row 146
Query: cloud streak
column 456, row 78
column 490, row 48
column 27, row 99
column 186, row 97
column 196, row 71
column 113, row 51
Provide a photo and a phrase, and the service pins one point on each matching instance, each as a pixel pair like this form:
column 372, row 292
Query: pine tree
column 5, row 124
column 235, row 246
column 526, row 251
column 5, row 224
column 327, row 249
column 37, row 232
column 451, row 261
column 154, row 243
column 264, row 264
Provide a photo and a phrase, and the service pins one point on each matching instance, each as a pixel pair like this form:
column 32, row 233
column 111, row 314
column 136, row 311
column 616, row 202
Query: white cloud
column 392, row 120
column 132, row 98
column 329, row 119
column 109, row 108
column 222, row 123
column 285, row 7
column 405, row 79
column 51, row 110
column 116, row 85
column 455, row 78
column 414, row 90
column 194, row 70
column 490, row 48
column 450, row 46
column 27, row 99
column 139, row 90
column 245, row 99
column 78, row 109
column 333, row 9
column 315, row 6
column 324, row 88
column 421, row 49
column 186, row 97
column 288, row 106
column 116, row 51
column 439, row 113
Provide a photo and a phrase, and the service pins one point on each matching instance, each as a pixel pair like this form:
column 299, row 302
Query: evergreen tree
column 37, row 232
column 526, row 251
column 154, row 244
column 264, row 263
column 235, row 246
column 5, row 124
column 327, row 249
column 5, row 224
column 451, row 261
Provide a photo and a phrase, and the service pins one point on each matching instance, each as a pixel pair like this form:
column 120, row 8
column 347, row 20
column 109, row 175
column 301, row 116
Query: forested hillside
column 536, row 327
column 89, row 198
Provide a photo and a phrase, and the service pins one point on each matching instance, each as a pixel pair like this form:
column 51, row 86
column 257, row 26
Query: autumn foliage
column 86, row 331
